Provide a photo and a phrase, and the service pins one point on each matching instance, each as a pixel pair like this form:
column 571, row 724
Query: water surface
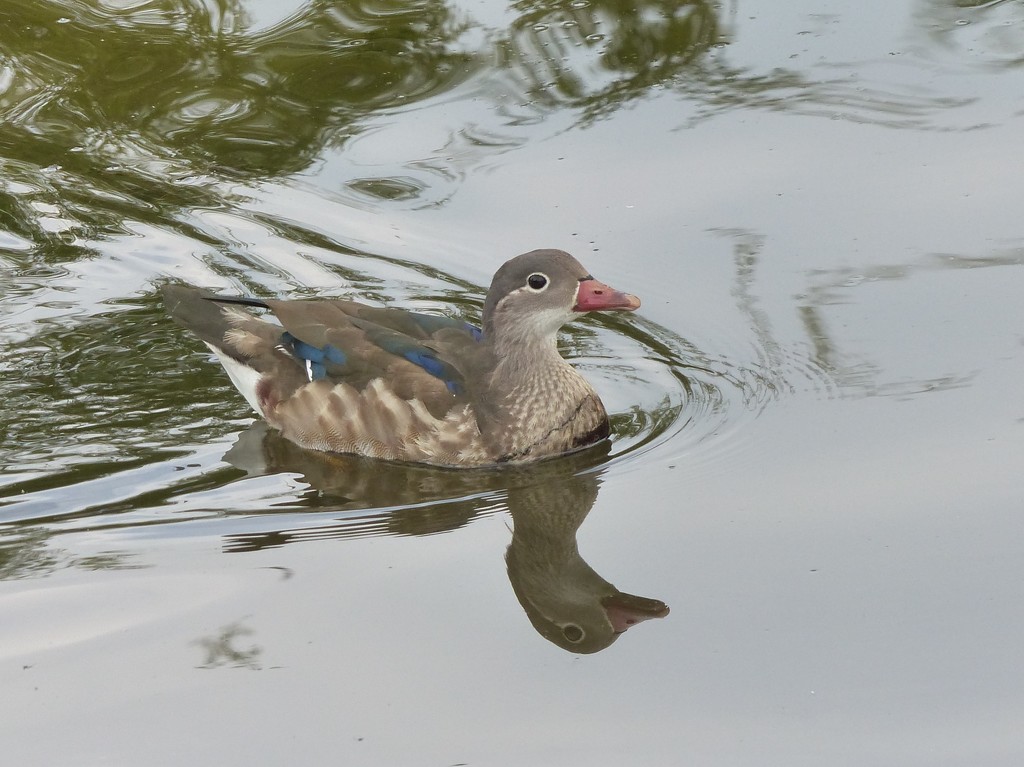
column 817, row 422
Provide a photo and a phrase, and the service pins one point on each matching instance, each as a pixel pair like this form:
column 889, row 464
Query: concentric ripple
column 133, row 426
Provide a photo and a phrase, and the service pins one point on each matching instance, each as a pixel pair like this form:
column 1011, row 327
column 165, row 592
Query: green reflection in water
column 154, row 111
column 172, row 81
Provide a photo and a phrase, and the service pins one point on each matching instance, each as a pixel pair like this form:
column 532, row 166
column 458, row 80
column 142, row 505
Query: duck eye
column 572, row 632
column 537, row 281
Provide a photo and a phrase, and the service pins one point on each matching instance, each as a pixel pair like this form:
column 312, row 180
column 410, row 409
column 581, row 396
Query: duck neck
column 520, row 360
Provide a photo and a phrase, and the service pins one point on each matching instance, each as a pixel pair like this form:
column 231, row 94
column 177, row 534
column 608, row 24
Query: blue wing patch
column 421, row 356
column 427, row 361
column 316, row 358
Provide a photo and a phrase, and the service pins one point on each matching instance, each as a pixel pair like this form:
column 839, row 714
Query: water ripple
column 113, row 403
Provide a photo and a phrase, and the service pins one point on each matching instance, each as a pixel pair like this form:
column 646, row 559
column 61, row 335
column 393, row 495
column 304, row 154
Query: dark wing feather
column 392, row 344
column 419, row 356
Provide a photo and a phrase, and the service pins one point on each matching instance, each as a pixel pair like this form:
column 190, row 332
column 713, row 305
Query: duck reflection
column 564, row 597
column 566, row 600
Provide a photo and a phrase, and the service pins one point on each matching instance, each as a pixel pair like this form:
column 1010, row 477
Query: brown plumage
column 341, row 376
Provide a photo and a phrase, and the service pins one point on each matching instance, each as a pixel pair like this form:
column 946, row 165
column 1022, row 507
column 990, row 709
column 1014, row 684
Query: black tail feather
column 240, row 300
column 199, row 310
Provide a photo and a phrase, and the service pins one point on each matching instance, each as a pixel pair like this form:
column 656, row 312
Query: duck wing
column 415, row 355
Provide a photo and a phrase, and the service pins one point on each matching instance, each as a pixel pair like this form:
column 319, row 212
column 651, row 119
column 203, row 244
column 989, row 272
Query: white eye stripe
column 537, row 282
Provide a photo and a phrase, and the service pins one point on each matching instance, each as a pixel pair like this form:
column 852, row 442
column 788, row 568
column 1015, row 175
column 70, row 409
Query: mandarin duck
column 340, row 376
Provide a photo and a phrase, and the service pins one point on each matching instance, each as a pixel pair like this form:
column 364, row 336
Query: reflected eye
column 572, row 632
column 537, row 281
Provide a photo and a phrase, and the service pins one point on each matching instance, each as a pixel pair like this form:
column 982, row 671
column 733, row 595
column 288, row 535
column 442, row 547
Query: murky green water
column 818, row 427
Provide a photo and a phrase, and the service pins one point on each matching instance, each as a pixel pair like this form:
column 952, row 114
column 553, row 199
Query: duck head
column 533, row 295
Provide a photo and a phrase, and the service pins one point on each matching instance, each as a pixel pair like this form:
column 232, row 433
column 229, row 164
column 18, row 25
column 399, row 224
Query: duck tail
column 240, row 340
column 200, row 311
